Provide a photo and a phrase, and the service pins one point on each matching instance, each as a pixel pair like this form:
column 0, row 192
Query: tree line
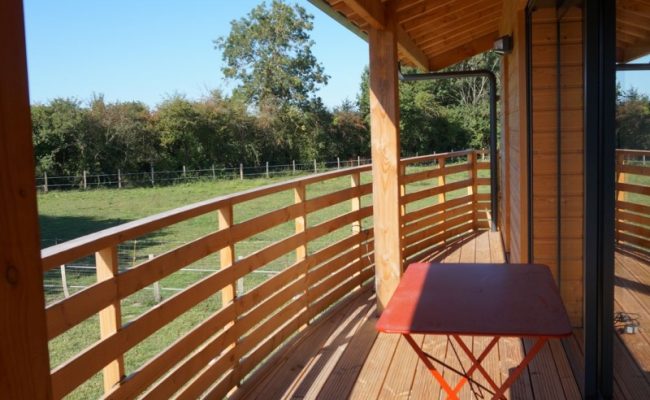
column 273, row 114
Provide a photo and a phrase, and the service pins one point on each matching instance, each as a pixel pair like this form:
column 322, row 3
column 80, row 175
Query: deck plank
column 543, row 374
column 511, row 352
column 567, row 378
column 372, row 375
column 399, row 379
column 345, row 374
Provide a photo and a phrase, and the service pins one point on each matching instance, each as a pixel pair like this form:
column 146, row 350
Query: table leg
column 476, row 363
column 432, row 369
column 541, row 341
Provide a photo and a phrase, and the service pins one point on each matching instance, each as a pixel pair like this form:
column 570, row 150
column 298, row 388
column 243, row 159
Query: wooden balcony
column 308, row 330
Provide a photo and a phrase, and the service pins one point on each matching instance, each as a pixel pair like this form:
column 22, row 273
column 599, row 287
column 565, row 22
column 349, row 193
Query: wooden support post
column 184, row 172
column 153, row 176
column 267, row 170
column 402, row 206
column 338, row 164
column 110, row 318
column 241, row 171
column 85, row 183
column 300, row 225
column 64, row 282
column 294, row 166
column 45, row 186
column 119, row 179
column 315, row 167
column 358, row 160
column 214, row 175
column 24, row 359
column 472, row 190
column 384, row 124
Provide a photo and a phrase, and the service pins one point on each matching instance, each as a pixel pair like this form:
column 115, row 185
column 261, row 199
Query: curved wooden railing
column 633, row 200
column 441, row 202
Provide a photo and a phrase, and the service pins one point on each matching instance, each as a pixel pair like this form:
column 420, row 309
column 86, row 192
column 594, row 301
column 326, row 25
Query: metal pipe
column 479, row 73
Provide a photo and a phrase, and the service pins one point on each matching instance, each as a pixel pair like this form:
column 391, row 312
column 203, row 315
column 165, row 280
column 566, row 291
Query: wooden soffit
column 632, row 29
column 432, row 34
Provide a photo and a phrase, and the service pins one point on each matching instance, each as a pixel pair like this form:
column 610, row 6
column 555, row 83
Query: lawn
column 69, row 214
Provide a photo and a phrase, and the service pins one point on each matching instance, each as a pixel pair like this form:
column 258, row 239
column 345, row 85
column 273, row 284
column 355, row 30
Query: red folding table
column 496, row 300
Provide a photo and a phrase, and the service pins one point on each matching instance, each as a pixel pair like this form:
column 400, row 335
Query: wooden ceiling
column 433, row 34
column 632, row 29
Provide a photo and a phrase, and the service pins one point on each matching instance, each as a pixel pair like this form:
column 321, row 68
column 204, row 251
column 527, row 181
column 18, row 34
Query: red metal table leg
column 476, row 363
column 541, row 341
column 432, row 369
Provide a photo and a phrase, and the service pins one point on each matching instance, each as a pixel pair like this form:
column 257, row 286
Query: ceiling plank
column 469, row 49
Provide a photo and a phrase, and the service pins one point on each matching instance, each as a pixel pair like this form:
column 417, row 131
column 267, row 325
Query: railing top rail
column 633, row 152
column 65, row 252
column 431, row 157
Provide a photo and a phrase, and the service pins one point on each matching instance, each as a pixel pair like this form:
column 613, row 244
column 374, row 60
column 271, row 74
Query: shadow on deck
column 344, row 356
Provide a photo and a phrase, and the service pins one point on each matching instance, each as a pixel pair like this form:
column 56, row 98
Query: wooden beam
column 411, row 50
column 374, row 13
column 24, row 361
column 384, row 126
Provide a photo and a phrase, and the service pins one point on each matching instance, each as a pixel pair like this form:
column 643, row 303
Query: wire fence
column 153, row 177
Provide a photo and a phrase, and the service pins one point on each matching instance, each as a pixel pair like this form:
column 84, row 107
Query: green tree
column 633, row 120
column 269, row 53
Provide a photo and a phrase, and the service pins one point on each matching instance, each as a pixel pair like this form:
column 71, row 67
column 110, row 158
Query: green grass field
column 70, row 214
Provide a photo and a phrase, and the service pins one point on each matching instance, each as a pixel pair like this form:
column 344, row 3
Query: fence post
column 442, row 196
column 241, row 171
column 621, row 177
column 315, row 168
column 119, row 179
column 267, row 170
column 214, row 176
column 45, row 188
column 402, row 209
column 85, row 183
column 110, row 318
column 358, row 160
column 338, row 163
column 153, row 176
column 156, row 287
column 294, row 166
column 64, row 282
column 184, row 172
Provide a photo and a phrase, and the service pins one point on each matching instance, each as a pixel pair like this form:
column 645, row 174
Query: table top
column 519, row 300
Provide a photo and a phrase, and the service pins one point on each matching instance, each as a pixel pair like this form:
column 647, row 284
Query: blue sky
column 147, row 50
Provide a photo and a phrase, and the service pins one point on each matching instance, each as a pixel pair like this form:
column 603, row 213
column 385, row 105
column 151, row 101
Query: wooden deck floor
column 346, row 358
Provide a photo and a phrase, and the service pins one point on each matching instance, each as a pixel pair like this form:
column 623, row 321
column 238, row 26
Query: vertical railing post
column 402, row 209
column 472, row 190
column 300, row 224
column 621, row 177
column 64, row 282
column 110, row 318
column 227, row 258
column 442, row 181
column 355, row 205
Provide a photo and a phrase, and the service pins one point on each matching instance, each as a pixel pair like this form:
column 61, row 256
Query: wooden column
column 24, row 361
column 384, row 126
column 472, row 159
column 227, row 254
column 110, row 318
